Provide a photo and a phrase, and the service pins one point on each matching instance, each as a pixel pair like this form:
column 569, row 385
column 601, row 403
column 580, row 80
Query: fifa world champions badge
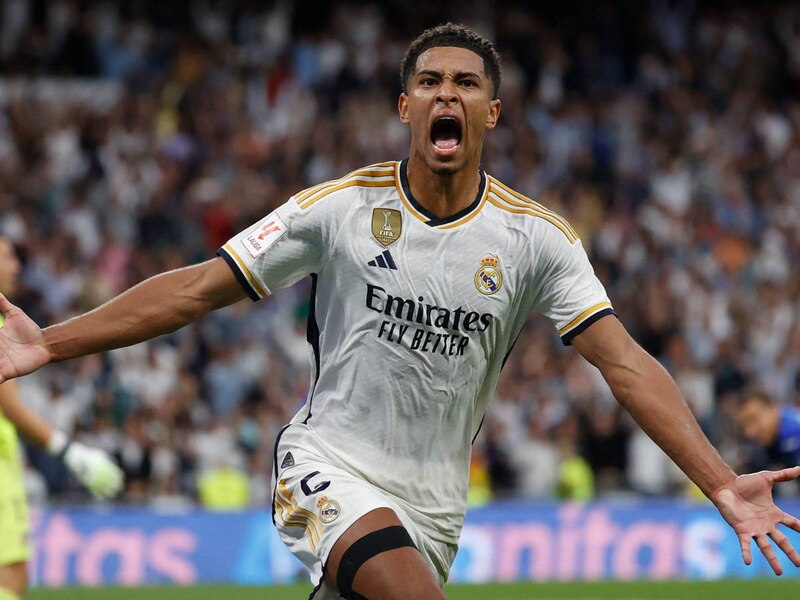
column 489, row 278
column 387, row 225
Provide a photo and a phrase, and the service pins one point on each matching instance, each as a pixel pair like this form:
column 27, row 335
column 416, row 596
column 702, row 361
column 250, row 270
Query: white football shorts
column 315, row 502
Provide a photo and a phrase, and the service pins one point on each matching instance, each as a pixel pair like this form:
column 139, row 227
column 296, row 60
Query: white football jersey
column 411, row 320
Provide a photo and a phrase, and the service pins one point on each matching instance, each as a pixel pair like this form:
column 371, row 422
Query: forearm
column 29, row 424
column 650, row 395
column 647, row 391
column 159, row 305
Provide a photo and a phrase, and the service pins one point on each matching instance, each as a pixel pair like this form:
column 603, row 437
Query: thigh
column 314, row 504
column 381, row 568
column 320, row 510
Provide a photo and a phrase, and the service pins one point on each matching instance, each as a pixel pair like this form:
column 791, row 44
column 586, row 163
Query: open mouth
column 446, row 135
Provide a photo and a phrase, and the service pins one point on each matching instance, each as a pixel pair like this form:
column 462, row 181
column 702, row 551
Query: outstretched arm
column 92, row 467
column 651, row 396
column 154, row 307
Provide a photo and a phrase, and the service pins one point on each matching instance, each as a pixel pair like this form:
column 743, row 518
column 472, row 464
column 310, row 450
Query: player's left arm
column 644, row 388
column 92, row 467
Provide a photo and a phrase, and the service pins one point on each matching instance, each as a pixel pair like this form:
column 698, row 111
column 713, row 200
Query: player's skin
column 445, row 80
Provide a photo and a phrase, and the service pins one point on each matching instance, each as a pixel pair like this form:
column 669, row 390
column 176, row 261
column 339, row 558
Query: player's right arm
column 158, row 305
column 286, row 245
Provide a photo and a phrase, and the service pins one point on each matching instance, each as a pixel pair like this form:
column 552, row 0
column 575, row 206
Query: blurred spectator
column 224, row 487
column 575, row 477
column 536, row 459
column 480, row 490
column 650, row 471
column 775, row 428
column 605, row 447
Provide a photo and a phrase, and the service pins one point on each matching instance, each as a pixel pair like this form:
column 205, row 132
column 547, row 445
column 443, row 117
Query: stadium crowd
column 138, row 137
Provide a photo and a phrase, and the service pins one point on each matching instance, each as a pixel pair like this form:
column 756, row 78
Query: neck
column 442, row 194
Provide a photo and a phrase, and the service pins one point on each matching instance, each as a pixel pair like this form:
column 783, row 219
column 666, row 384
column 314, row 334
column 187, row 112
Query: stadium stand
column 137, row 137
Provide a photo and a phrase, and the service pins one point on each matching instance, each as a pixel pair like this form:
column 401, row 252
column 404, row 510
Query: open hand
column 747, row 506
column 22, row 348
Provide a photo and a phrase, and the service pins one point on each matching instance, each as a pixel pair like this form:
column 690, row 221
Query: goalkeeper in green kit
column 92, row 467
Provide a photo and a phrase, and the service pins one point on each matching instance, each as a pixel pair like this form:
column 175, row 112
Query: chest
column 473, row 269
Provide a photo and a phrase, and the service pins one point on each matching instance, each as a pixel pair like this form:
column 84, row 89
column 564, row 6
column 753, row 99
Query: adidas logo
column 288, row 461
column 384, row 260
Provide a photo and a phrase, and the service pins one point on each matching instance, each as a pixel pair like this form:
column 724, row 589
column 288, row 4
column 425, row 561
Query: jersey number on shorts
column 307, row 490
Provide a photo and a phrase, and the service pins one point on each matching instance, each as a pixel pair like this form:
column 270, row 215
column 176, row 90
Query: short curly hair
column 452, row 35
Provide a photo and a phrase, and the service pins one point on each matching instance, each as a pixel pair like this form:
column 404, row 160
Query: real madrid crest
column 328, row 509
column 489, row 278
column 387, row 225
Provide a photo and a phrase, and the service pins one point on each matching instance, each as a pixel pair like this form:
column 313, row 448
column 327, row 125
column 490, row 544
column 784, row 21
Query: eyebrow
column 459, row 75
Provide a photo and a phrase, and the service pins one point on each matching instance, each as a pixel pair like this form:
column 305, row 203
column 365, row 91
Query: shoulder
column 526, row 212
column 379, row 175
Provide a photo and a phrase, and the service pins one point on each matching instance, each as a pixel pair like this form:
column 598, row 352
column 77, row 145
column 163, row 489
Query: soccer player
column 774, row 426
column 92, row 467
column 424, row 271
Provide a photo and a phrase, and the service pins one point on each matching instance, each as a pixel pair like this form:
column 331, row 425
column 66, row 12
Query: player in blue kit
column 774, row 426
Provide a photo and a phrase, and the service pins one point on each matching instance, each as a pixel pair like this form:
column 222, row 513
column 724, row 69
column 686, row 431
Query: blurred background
column 137, row 137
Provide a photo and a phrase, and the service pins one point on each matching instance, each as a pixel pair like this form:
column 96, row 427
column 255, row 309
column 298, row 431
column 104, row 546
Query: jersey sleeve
column 567, row 290
column 280, row 249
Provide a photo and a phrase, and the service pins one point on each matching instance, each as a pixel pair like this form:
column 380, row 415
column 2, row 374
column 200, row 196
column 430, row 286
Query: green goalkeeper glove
column 92, row 467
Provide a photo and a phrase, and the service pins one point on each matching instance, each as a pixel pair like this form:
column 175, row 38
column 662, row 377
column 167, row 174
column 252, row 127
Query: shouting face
column 448, row 106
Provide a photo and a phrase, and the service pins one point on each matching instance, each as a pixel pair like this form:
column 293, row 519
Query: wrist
column 58, row 443
column 48, row 343
column 720, row 493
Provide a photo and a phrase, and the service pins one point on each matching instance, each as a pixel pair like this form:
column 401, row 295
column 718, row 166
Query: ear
column 494, row 114
column 402, row 108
